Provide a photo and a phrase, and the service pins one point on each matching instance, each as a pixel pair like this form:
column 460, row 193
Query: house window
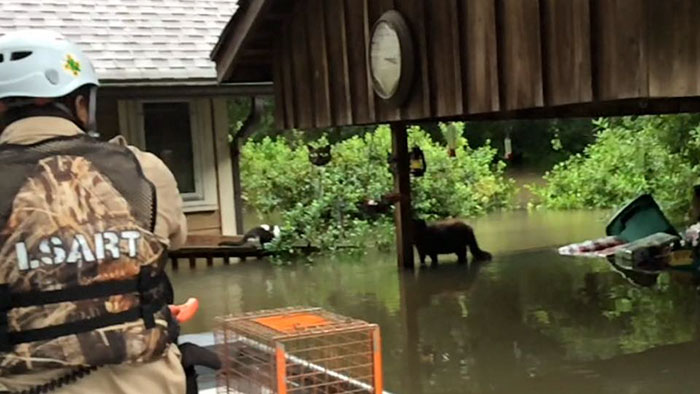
column 168, row 133
column 179, row 132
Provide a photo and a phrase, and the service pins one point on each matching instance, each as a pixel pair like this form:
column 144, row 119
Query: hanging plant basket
column 418, row 165
column 320, row 156
column 452, row 134
column 374, row 208
column 391, row 162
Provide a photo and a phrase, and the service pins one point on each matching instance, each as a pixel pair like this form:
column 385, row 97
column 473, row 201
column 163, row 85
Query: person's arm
column 171, row 224
column 171, row 221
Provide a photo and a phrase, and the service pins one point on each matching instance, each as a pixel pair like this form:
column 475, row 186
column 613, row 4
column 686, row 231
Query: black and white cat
column 262, row 234
column 259, row 235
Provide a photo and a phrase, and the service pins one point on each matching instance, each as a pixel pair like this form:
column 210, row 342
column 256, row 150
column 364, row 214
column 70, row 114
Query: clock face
column 385, row 60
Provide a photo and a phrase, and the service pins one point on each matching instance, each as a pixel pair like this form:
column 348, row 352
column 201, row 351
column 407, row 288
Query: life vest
column 81, row 272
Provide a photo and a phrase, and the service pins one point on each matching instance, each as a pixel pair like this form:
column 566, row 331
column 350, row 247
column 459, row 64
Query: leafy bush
column 467, row 185
column 631, row 156
column 543, row 143
column 322, row 205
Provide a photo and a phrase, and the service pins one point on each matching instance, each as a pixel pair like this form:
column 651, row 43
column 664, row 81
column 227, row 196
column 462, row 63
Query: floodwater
column 530, row 321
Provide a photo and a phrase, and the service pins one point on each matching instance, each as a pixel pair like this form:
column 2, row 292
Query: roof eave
column 106, row 82
column 237, row 32
column 208, row 88
column 226, row 32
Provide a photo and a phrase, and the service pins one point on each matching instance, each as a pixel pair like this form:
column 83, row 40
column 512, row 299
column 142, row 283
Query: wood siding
column 486, row 58
column 204, row 223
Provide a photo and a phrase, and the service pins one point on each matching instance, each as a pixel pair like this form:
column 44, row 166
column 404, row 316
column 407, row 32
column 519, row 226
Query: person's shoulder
column 152, row 165
column 119, row 140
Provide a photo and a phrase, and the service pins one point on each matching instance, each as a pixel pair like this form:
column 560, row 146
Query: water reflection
column 536, row 325
column 527, row 322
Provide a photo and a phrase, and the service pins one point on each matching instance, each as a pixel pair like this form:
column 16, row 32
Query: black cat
column 446, row 237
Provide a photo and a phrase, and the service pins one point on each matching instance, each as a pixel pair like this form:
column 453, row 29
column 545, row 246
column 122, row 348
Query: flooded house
column 158, row 88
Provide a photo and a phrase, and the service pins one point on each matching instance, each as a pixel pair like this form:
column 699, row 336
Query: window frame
column 132, row 124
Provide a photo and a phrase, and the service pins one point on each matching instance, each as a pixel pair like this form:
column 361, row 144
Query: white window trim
column 131, row 122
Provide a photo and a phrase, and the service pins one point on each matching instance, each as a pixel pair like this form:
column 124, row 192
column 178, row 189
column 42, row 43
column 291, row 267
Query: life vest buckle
column 147, row 300
column 5, row 345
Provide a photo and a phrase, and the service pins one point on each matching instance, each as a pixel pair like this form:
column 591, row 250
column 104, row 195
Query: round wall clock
column 391, row 58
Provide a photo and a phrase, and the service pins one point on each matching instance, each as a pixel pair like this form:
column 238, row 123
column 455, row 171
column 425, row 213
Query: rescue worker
column 84, row 229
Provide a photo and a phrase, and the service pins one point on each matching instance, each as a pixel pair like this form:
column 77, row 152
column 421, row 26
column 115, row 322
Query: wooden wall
column 486, row 58
column 204, row 223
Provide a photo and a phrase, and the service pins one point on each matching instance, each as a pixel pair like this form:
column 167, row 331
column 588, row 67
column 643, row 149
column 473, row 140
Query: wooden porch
column 208, row 248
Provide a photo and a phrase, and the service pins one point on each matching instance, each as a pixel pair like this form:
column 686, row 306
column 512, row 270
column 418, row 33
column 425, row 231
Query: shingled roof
column 132, row 40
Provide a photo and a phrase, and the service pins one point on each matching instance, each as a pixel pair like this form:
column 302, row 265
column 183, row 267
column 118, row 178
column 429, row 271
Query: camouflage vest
column 81, row 280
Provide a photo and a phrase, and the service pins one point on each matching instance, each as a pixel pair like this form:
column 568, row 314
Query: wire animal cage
column 298, row 351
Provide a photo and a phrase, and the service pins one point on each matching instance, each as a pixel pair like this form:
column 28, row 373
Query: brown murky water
column 528, row 322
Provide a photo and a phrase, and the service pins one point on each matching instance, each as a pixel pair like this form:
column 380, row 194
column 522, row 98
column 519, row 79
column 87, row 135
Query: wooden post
column 402, row 187
column 230, row 213
column 237, row 192
column 257, row 106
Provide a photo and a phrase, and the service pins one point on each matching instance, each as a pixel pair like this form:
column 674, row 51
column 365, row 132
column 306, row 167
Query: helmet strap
column 91, row 127
column 66, row 110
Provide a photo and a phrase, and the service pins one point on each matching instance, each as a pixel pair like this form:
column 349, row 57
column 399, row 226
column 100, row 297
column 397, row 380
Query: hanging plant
column 391, row 162
column 319, row 156
column 417, row 164
column 452, row 134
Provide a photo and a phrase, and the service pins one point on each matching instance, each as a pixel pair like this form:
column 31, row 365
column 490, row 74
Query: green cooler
column 639, row 219
column 643, row 218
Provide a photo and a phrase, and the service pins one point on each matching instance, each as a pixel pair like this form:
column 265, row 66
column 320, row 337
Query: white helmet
column 42, row 64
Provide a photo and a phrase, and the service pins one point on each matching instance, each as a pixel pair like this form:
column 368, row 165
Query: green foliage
column 543, row 143
column 239, row 108
column 467, row 185
column 630, row 156
column 322, row 206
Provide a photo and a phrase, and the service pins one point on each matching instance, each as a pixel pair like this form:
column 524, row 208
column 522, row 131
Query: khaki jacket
column 164, row 376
